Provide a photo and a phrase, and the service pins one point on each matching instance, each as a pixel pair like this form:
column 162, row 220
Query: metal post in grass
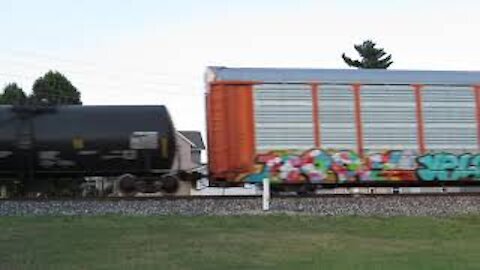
column 266, row 194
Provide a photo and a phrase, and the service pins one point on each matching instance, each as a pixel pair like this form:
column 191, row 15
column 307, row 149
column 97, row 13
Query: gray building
column 189, row 150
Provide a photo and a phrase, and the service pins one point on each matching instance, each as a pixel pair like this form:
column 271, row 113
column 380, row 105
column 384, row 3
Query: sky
column 156, row 52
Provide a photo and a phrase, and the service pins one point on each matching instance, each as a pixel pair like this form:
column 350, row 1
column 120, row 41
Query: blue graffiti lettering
column 449, row 167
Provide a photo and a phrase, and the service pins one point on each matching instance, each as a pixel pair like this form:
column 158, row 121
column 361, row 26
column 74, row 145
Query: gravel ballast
column 321, row 206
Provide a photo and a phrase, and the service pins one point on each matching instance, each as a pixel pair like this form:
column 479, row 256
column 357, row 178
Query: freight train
column 45, row 148
column 322, row 127
column 300, row 128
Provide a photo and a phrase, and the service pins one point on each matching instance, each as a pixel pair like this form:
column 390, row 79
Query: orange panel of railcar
column 231, row 137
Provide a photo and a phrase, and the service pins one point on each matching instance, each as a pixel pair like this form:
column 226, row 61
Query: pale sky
column 155, row 52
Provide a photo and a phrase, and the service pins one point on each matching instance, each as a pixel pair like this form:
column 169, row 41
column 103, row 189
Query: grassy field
column 263, row 242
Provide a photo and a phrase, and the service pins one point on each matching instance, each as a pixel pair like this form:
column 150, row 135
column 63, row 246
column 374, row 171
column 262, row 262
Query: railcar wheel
column 170, row 184
column 126, row 184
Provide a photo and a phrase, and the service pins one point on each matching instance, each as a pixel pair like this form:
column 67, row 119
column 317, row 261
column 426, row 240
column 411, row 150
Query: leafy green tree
column 55, row 88
column 371, row 57
column 12, row 94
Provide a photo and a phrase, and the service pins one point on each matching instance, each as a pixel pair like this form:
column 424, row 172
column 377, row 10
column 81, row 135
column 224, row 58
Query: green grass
column 263, row 242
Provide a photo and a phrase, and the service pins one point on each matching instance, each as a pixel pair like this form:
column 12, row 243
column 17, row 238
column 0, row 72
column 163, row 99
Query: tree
column 12, row 94
column 55, row 88
column 371, row 57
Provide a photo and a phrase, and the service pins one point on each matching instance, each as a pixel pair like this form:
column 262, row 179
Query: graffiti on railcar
column 391, row 165
column 333, row 166
column 449, row 167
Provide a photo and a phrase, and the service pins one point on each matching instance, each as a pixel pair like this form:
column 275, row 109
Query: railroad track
column 240, row 197
column 325, row 205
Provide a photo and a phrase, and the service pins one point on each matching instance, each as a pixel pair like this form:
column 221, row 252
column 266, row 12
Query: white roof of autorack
column 343, row 76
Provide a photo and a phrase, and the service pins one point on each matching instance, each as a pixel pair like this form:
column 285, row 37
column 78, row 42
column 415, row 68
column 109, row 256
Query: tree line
column 53, row 88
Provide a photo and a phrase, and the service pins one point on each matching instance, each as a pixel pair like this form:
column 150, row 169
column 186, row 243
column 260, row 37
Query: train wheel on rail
column 170, row 184
column 127, row 184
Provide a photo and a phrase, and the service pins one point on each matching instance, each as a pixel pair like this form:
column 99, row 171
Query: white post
column 266, row 194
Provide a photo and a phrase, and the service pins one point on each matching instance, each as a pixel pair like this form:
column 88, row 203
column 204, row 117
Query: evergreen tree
column 371, row 57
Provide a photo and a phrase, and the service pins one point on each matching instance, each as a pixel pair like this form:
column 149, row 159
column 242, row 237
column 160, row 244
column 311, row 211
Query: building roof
column 343, row 76
column 195, row 137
